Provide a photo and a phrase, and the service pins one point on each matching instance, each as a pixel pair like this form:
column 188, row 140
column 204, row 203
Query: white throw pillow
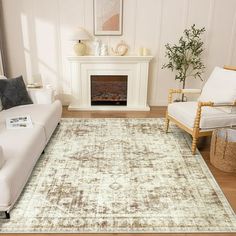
column 220, row 88
column 2, row 77
column 41, row 96
column 219, row 96
column 2, row 160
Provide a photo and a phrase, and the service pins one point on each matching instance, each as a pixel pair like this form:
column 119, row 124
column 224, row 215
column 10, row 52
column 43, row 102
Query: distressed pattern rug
column 120, row 175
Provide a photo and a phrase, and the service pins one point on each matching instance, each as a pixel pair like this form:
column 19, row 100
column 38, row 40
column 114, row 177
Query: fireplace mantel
column 94, row 59
column 135, row 67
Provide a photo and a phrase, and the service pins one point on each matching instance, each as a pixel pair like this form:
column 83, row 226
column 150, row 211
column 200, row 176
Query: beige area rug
column 120, row 175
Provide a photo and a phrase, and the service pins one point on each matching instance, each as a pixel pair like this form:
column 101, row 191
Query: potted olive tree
column 185, row 57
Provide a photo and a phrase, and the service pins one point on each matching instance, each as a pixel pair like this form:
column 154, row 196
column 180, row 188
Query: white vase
column 97, row 47
column 104, row 50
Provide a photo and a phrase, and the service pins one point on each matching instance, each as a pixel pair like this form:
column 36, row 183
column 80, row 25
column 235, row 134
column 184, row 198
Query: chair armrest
column 229, row 67
column 212, row 104
column 182, row 91
column 191, row 91
column 42, row 95
column 199, row 112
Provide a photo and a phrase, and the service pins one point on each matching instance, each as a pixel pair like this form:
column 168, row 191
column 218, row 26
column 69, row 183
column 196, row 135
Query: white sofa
column 21, row 148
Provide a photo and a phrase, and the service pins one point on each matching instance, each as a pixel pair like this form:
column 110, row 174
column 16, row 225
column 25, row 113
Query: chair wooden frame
column 196, row 132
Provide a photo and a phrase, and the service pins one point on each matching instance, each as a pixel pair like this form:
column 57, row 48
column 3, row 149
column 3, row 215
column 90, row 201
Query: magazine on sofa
column 19, row 122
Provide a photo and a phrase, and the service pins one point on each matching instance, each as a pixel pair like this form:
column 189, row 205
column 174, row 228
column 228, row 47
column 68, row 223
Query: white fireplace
column 109, row 69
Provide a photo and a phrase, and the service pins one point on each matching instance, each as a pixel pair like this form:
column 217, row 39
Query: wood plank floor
column 226, row 181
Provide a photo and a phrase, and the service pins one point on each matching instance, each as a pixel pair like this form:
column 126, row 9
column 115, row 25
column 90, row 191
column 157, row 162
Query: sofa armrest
column 42, row 95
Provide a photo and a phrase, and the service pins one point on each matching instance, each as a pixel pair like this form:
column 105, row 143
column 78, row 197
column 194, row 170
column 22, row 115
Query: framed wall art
column 108, row 17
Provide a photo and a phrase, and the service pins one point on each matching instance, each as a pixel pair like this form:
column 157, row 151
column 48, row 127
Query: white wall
column 37, row 36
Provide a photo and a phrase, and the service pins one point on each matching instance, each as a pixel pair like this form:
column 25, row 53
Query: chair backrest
column 221, row 86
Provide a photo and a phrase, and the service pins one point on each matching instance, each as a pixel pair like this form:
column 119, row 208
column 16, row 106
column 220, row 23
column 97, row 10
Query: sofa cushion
column 220, row 87
column 185, row 112
column 13, row 93
column 2, row 159
column 22, row 148
column 45, row 115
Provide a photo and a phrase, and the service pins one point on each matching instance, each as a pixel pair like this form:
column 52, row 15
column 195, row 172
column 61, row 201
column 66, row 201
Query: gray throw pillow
column 13, row 93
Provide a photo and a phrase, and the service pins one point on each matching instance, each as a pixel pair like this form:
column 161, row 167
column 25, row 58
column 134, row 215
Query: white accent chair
column 215, row 108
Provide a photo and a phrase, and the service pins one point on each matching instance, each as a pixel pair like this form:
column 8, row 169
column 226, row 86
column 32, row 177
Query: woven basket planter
column 223, row 150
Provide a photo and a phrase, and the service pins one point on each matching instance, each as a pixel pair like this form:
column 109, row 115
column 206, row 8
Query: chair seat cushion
column 185, row 113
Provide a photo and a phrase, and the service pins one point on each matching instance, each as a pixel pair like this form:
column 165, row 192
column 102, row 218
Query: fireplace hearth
column 109, row 90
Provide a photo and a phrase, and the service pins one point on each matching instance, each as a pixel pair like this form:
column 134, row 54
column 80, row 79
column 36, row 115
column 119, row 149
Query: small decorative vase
column 97, row 47
column 104, row 50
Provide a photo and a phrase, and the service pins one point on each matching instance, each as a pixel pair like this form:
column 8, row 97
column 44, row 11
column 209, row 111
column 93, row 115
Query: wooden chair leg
column 194, row 145
column 167, row 125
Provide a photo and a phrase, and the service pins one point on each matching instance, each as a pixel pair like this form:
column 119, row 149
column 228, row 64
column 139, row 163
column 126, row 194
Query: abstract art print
column 108, row 17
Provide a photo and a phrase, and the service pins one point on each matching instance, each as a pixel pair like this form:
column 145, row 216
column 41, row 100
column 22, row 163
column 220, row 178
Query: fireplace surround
column 101, row 73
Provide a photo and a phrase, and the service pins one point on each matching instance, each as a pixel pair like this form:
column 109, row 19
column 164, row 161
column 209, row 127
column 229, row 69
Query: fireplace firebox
column 109, row 90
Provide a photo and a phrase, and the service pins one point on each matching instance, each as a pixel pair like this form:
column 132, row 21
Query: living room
column 118, row 117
